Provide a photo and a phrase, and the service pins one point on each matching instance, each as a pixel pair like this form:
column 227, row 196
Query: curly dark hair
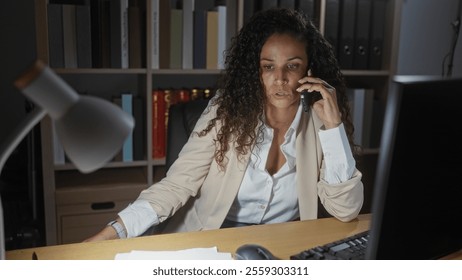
column 242, row 100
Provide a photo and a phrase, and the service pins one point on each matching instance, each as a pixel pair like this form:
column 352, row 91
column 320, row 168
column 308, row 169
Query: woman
column 255, row 155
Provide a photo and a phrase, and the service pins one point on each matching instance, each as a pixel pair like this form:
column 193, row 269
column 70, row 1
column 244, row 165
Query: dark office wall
column 17, row 52
column 20, row 190
column 425, row 37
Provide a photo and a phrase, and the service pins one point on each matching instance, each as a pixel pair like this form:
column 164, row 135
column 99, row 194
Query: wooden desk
column 283, row 240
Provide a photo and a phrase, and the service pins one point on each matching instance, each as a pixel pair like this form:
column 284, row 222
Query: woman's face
column 283, row 62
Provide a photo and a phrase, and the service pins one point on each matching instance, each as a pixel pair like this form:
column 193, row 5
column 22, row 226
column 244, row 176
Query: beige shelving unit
column 77, row 205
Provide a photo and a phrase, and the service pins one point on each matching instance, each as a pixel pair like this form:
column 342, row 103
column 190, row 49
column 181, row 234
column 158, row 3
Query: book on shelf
column 164, row 34
column 212, row 40
column 131, row 105
column 176, row 39
column 139, row 135
column 55, row 35
column 135, row 28
column 204, row 4
column 119, row 33
column 117, row 100
column 182, row 95
column 289, row 4
column 361, row 101
column 201, row 93
column 267, row 4
column 250, row 6
column 232, row 19
column 171, row 97
column 69, row 36
column 197, row 93
column 361, row 41
column 96, row 10
column 222, row 36
column 346, row 33
column 332, row 23
column 378, row 18
column 127, row 106
column 308, row 8
column 208, row 93
column 155, row 34
column 83, row 36
column 106, row 34
column 188, row 33
column 158, row 124
column 200, row 39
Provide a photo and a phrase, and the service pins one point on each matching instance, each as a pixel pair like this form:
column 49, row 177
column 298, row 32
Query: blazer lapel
column 309, row 154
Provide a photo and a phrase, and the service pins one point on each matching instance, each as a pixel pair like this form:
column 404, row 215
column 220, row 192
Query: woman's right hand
column 327, row 107
column 107, row 233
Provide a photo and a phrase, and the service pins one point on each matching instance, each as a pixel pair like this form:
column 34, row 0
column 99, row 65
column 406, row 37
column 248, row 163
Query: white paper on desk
column 187, row 254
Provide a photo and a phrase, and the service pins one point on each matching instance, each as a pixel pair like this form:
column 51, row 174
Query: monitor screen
column 417, row 203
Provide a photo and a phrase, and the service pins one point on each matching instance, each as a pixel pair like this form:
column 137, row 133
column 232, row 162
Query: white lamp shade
column 92, row 132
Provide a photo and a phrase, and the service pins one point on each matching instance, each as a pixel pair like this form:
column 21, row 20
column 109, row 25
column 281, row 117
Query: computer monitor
column 417, row 201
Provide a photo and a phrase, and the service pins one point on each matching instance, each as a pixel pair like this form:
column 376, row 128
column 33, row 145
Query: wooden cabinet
column 76, row 205
column 82, row 209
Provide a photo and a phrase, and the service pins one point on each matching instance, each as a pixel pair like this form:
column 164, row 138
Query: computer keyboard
column 350, row 248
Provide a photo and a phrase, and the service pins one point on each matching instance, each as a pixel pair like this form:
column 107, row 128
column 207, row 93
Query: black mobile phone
column 308, row 98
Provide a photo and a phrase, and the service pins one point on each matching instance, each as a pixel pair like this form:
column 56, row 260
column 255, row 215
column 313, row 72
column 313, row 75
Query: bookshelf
column 77, row 205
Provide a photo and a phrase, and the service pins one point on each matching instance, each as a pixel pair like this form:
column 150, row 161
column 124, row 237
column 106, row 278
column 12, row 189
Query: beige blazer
column 200, row 194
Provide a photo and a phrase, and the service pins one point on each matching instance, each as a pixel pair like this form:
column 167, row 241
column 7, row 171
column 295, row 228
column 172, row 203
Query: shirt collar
column 289, row 145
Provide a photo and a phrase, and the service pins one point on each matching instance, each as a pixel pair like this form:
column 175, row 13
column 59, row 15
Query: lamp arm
column 11, row 142
column 15, row 138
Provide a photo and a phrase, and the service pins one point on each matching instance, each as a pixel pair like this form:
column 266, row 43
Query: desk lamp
column 91, row 130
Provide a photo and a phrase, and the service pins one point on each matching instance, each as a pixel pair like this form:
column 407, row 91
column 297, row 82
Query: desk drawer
column 82, row 212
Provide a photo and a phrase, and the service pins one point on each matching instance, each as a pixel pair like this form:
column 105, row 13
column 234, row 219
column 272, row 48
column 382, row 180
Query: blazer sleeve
column 186, row 175
column 343, row 200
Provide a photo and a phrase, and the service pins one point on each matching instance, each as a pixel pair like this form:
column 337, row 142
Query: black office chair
column 182, row 118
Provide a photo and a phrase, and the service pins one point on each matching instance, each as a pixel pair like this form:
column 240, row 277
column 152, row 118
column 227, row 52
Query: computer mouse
column 253, row 252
